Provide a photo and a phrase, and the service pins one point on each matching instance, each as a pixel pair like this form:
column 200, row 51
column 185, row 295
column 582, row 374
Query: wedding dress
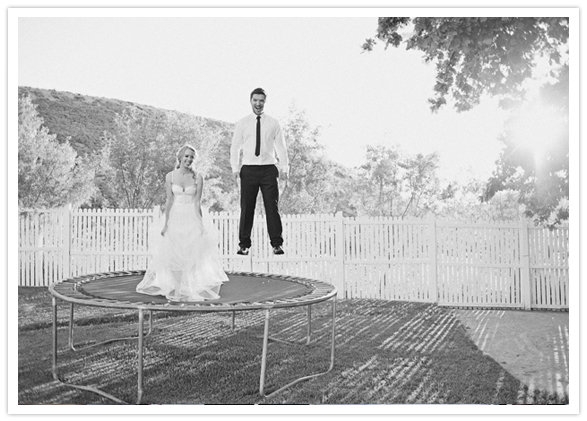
column 186, row 264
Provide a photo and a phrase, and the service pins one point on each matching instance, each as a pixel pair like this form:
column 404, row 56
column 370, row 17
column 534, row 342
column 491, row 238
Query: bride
column 185, row 265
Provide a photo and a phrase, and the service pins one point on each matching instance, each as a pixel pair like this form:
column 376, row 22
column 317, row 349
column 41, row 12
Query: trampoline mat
column 242, row 289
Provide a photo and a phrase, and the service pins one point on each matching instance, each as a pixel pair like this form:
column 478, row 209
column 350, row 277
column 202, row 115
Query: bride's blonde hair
column 180, row 153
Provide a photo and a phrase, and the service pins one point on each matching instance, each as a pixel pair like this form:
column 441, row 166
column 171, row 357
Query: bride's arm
column 199, row 188
column 168, row 202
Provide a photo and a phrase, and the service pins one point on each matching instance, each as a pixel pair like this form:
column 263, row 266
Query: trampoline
column 245, row 291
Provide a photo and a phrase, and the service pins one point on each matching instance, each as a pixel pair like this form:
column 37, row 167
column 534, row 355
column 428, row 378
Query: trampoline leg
column 70, row 336
column 333, row 335
column 55, row 376
column 264, row 355
column 309, row 324
column 140, row 359
column 264, row 359
column 72, row 345
column 232, row 323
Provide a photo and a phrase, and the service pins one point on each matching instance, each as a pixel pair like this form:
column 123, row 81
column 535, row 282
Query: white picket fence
column 497, row 265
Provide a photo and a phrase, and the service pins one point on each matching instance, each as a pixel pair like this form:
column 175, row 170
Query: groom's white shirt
column 273, row 148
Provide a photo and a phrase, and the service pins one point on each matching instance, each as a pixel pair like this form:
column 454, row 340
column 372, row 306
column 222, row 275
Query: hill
column 84, row 118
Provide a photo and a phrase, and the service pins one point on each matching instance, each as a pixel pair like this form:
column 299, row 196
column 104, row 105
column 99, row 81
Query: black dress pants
column 253, row 178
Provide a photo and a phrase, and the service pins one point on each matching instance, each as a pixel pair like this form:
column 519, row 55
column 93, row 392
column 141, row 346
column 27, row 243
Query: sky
column 207, row 66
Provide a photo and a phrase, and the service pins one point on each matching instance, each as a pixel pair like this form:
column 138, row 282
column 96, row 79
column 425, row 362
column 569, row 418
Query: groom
column 260, row 138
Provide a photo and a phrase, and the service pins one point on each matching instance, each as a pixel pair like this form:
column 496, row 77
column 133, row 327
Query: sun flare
column 538, row 128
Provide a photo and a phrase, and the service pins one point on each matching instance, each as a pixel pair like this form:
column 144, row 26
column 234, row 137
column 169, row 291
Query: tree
column 139, row 157
column 535, row 162
column 476, row 56
column 142, row 149
column 50, row 174
column 460, row 202
column 422, row 182
column 497, row 56
column 392, row 183
column 314, row 185
column 535, row 158
column 379, row 183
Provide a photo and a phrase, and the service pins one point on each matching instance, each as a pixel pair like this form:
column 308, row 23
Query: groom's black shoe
column 277, row 250
column 243, row 251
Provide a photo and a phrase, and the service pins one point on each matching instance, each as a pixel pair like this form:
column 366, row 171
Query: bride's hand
column 163, row 230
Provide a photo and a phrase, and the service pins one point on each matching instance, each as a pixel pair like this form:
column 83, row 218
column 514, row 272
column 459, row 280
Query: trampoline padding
column 244, row 289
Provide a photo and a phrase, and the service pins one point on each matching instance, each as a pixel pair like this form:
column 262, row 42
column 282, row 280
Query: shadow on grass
column 386, row 353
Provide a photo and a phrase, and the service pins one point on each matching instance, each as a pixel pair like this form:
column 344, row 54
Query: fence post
column 67, row 241
column 39, row 239
column 433, row 279
column 339, row 245
column 525, row 265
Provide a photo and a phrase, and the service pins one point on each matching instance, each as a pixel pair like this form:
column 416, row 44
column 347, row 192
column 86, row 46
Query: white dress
column 186, row 264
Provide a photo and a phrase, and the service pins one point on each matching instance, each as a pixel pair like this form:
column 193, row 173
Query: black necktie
column 258, row 145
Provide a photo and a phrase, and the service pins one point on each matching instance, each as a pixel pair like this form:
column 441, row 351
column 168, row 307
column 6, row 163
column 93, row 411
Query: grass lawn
column 387, row 352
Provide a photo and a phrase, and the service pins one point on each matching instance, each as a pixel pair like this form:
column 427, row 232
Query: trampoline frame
column 320, row 292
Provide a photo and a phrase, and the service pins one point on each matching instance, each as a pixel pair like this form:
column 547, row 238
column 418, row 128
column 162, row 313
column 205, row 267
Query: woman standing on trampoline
column 185, row 265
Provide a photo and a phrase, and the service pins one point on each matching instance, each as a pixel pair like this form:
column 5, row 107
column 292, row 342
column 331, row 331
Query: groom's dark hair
column 259, row 91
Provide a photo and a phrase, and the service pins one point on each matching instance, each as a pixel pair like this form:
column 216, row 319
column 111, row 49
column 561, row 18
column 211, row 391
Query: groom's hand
column 236, row 178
